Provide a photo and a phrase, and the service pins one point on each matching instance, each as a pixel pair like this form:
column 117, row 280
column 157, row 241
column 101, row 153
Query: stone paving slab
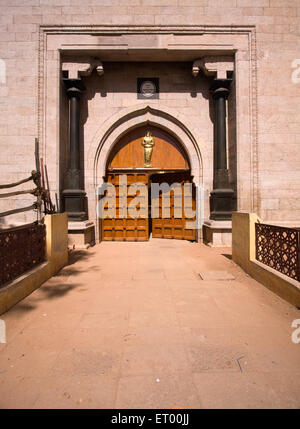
column 216, row 275
column 132, row 325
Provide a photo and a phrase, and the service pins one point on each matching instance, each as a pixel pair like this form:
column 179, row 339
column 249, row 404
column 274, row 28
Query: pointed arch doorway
column 169, row 165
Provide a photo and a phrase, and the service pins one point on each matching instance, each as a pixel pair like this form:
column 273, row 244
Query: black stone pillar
column 222, row 194
column 74, row 197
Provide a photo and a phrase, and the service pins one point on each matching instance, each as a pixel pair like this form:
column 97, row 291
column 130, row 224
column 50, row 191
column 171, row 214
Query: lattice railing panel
column 279, row 248
column 21, row 249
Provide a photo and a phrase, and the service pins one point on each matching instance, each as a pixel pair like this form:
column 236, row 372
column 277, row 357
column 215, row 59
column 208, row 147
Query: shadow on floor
column 57, row 286
column 227, row 255
column 79, row 255
column 46, row 292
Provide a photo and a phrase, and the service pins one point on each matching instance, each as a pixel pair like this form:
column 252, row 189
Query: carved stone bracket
column 82, row 66
column 217, row 66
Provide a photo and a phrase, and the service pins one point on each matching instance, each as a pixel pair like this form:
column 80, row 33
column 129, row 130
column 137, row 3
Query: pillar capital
column 218, row 66
column 74, row 87
column 81, row 66
column 220, row 88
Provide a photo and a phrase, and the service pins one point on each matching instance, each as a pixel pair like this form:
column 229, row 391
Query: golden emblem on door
column 148, row 143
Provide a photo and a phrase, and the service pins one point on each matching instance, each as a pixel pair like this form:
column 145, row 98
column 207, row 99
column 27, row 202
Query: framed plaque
column 147, row 88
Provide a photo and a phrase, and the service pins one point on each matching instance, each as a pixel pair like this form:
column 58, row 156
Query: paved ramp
column 162, row 324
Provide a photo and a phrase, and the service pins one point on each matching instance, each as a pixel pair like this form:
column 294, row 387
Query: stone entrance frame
column 124, row 121
column 175, row 42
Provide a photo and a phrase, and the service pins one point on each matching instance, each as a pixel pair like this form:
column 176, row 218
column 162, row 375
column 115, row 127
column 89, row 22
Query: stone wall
column 278, row 90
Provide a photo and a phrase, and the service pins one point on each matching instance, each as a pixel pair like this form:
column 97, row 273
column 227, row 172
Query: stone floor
column 133, row 325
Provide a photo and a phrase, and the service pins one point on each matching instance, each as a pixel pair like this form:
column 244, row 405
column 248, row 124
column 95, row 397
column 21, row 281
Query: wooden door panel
column 125, row 228
column 175, row 225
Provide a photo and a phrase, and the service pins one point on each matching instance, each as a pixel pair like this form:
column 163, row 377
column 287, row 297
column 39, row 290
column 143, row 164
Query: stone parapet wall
column 243, row 253
column 56, row 258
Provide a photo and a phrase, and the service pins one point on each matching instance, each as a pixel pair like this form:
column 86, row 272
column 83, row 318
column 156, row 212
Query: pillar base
column 74, row 201
column 81, row 235
column 221, row 204
column 217, row 233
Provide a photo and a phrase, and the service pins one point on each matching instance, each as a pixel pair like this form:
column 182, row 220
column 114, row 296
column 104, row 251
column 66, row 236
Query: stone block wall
column 277, row 25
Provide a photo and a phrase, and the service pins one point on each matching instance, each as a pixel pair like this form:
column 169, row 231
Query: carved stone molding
column 217, row 66
column 79, row 67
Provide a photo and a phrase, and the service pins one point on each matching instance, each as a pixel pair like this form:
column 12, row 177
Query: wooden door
column 125, row 228
column 175, row 226
column 127, row 158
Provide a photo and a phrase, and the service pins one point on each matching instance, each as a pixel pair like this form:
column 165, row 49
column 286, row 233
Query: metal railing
column 278, row 247
column 21, row 249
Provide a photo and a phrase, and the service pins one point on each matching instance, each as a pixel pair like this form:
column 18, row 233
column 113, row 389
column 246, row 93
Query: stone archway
column 123, row 121
column 128, row 119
